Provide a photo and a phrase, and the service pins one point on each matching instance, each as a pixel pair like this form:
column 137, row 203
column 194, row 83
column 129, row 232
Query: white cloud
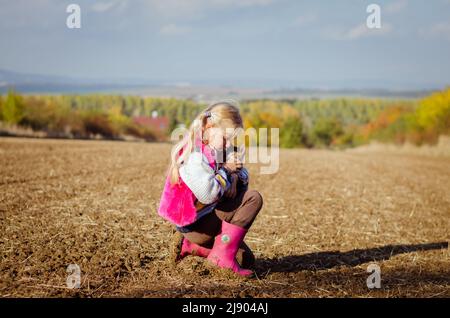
column 102, row 6
column 396, row 6
column 438, row 30
column 196, row 8
column 105, row 6
column 362, row 31
column 357, row 32
column 173, row 29
column 304, row 20
column 251, row 3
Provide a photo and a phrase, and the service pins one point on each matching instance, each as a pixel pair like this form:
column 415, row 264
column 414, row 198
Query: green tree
column 13, row 108
column 1, row 106
column 291, row 133
column 326, row 130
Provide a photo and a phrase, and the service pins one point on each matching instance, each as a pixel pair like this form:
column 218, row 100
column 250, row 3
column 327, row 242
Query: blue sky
column 249, row 42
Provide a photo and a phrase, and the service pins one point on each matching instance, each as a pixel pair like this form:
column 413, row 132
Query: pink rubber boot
column 182, row 247
column 189, row 248
column 226, row 245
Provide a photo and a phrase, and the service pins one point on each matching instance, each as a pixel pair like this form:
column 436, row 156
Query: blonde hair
column 223, row 114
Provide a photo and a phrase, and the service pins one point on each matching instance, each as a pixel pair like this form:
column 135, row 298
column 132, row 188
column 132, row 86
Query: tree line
column 335, row 123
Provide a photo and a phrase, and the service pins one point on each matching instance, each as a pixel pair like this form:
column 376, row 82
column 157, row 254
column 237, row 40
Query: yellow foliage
column 116, row 117
column 434, row 112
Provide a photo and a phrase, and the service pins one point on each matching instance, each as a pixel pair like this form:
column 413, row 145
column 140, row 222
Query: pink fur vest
column 177, row 200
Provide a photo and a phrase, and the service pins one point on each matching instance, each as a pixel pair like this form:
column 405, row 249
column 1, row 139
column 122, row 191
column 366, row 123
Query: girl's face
column 217, row 138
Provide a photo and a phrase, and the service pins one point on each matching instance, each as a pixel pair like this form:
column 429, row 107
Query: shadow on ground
column 330, row 259
column 316, row 280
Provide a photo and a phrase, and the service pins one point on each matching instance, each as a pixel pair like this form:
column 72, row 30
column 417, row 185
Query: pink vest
column 177, row 200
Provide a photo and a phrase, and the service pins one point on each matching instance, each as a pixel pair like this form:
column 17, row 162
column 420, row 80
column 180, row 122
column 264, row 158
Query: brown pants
column 240, row 211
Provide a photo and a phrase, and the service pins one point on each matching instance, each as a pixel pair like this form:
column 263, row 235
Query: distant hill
column 37, row 83
column 201, row 91
column 363, row 92
column 10, row 77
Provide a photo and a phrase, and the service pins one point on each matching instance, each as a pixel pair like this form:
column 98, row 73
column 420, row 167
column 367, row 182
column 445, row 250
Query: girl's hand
column 232, row 190
column 233, row 163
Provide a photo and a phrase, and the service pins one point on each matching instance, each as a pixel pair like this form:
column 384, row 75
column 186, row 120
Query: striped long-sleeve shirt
column 207, row 184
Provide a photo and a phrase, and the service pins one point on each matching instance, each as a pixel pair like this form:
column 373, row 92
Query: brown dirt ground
column 326, row 216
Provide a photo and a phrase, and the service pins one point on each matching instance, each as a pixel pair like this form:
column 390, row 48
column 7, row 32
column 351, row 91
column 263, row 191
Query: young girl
column 209, row 200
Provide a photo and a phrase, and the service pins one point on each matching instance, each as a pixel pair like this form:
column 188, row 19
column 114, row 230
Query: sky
column 284, row 43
